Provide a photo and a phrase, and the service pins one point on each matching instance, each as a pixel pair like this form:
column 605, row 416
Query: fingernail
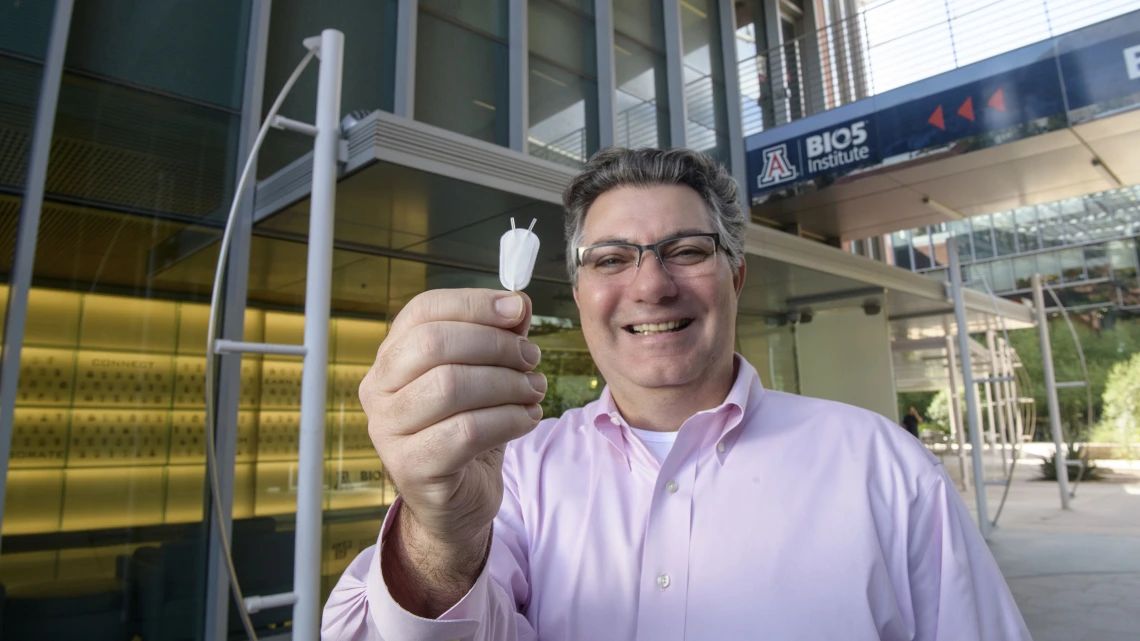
column 530, row 352
column 509, row 307
column 537, row 381
column 535, row 412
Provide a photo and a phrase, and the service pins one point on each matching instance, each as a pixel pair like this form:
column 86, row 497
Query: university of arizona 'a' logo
column 777, row 167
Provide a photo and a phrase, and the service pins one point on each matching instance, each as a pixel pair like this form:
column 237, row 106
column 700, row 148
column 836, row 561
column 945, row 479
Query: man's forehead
column 629, row 214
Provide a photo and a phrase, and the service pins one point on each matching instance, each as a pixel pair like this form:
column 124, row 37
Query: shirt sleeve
column 360, row 607
column 957, row 590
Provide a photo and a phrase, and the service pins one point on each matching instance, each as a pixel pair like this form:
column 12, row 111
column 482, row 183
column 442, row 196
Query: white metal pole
column 955, row 415
column 997, row 401
column 310, row 464
column 971, row 391
column 1060, row 459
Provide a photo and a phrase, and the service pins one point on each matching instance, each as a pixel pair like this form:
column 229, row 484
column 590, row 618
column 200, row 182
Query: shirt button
column 615, row 420
column 720, row 447
column 663, row 581
column 671, row 486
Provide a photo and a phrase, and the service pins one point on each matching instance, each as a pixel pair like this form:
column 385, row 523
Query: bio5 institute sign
column 827, row 151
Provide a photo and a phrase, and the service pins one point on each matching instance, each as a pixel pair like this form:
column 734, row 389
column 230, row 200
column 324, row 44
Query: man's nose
column 652, row 282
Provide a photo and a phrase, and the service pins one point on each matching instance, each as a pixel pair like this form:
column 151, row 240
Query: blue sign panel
column 826, row 151
column 1103, row 72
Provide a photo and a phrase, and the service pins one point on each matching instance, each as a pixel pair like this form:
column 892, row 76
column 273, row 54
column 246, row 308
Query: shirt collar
column 744, row 395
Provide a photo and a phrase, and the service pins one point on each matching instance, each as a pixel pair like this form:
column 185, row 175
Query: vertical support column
column 1060, row 459
column 407, row 17
column 314, row 376
column 228, row 391
column 519, row 92
column 736, row 162
column 674, row 71
column 27, row 232
column 971, row 391
column 607, row 84
column 955, row 413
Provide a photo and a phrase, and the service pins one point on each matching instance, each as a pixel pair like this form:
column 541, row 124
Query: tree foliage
column 1103, row 349
column 1122, row 402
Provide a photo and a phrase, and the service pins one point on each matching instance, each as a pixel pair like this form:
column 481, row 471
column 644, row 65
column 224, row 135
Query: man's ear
column 574, row 288
column 737, row 278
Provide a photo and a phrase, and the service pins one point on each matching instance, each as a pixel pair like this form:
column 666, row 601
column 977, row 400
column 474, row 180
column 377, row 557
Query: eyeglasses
column 681, row 257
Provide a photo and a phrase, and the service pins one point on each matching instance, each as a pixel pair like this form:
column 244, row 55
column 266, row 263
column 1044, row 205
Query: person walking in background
column 911, row 421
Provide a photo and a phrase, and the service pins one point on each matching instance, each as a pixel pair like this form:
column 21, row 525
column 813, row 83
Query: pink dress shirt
column 774, row 516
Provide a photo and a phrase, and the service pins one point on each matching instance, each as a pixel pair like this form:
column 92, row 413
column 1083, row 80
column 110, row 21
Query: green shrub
column 1090, row 472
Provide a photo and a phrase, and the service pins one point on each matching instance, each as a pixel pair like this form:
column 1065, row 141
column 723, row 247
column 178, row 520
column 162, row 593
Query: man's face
column 703, row 306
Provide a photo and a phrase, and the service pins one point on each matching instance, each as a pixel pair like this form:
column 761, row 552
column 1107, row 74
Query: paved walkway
column 1075, row 574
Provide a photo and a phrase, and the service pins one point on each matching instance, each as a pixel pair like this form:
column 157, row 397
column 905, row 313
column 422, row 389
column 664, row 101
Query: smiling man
column 687, row 502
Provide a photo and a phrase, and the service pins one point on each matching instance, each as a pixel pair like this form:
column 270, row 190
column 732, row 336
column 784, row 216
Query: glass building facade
column 1085, row 248
column 106, row 530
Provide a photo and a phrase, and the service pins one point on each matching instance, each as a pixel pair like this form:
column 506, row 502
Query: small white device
column 518, row 249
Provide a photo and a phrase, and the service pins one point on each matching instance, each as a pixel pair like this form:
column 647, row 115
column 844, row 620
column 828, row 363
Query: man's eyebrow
column 690, row 231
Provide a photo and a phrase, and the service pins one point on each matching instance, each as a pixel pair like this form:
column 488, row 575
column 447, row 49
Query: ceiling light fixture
column 942, row 209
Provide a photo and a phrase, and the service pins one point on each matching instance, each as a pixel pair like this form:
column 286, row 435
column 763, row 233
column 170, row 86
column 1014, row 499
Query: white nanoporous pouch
column 518, row 249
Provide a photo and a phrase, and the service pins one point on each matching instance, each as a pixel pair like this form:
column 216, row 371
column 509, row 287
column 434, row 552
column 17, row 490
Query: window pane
column 980, row 227
column 461, row 80
column 1023, row 269
column 1052, row 225
column 900, row 245
column 1003, row 275
column 703, row 72
column 1050, row 266
column 563, row 85
column 1096, row 261
column 1027, row 228
column 1072, row 265
column 923, row 249
column 488, row 16
column 1005, row 235
column 642, row 117
column 369, row 71
column 1076, row 220
column 752, row 67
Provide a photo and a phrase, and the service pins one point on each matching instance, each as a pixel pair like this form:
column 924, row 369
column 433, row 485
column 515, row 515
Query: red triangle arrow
column 967, row 109
column 997, row 101
column 936, row 118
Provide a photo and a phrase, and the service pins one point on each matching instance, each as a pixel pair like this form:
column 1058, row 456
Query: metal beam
column 519, row 92
column 407, row 18
column 674, row 67
column 27, row 232
column 971, row 390
column 1059, row 459
column 607, row 83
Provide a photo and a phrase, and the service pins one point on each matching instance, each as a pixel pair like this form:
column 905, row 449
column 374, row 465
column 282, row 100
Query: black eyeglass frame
column 653, row 246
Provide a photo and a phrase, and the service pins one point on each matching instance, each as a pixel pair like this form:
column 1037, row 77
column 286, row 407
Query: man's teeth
column 648, row 329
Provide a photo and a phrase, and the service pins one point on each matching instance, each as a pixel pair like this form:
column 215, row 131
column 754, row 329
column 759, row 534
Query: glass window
column 462, row 77
column 923, row 248
column 1003, row 275
column 1050, row 266
column 1077, row 220
column 978, row 276
column 369, row 71
column 489, row 16
column 1028, row 234
column 982, row 232
column 1122, row 255
column 752, row 67
column 563, row 82
column 703, row 72
column 1096, row 261
column 1072, row 265
column 959, row 235
column 1024, row 267
column 900, row 245
column 1051, row 225
column 639, row 62
column 1005, row 234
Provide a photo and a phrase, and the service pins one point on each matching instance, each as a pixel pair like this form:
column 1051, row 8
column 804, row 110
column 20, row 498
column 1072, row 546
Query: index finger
column 506, row 310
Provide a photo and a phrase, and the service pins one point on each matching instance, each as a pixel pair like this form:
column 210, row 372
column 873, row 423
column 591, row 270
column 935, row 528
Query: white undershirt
column 658, row 443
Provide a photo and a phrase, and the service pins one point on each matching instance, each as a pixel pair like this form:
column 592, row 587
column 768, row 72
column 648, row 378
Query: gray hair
column 615, row 167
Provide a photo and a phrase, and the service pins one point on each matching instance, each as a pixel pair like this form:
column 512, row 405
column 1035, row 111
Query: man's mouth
column 649, row 329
